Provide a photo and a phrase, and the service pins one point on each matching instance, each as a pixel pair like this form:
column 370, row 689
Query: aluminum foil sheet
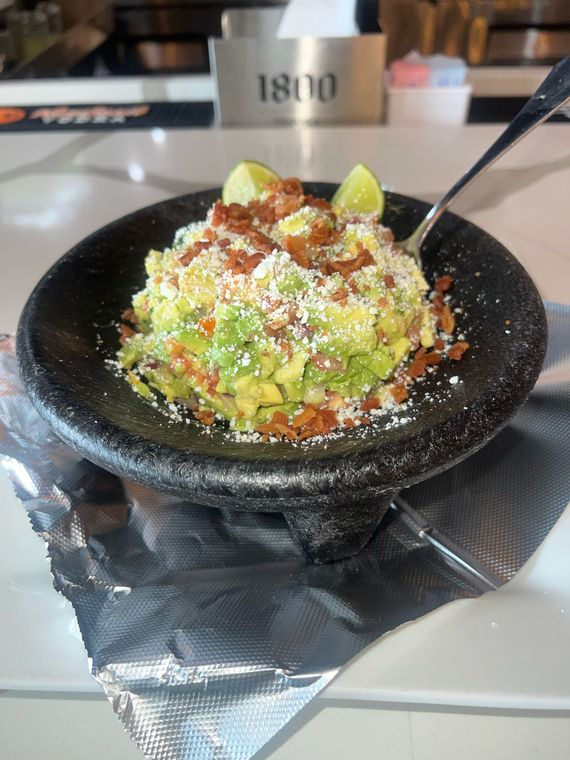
column 209, row 631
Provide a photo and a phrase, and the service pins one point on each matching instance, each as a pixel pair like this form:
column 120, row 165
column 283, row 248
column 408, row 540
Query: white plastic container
column 428, row 105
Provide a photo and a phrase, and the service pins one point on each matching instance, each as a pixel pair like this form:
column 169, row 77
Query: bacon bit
column 173, row 347
column 264, row 438
column 280, row 418
column 443, row 284
column 307, row 424
column 219, row 214
column 437, row 302
column 206, row 417
column 328, row 416
column 213, row 378
column 209, row 234
column 320, row 282
column 129, row 316
column 296, row 247
column 236, row 258
column 352, row 285
column 277, row 427
column 287, row 204
column 447, row 320
column 188, row 255
column 320, row 232
column 345, row 268
column 370, row 403
column 389, row 281
column 340, row 295
column 364, row 420
column 263, row 212
column 335, row 401
column 387, row 235
column 252, row 261
column 414, row 336
column 326, row 363
column 224, row 242
column 349, row 422
column 125, row 333
column 382, row 302
column 301, row 419
column 319, row 203
column 292, row 186
column 207, row 325
column 457, row 350
column 421, row 361
column 261, row 241
column 399, row 392
column 238, row 213
column 274, row 188
column 286, row 348
column 439, row 345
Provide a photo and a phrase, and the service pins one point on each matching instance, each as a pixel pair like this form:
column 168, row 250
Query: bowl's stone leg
column 334, row 532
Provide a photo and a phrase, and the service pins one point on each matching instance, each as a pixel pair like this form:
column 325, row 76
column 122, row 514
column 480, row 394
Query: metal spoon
column 550, row 96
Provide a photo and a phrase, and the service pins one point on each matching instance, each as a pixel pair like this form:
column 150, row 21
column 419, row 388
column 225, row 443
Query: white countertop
column 56, row 188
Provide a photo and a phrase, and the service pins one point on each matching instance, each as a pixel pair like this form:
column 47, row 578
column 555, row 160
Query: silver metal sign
column 298, row 82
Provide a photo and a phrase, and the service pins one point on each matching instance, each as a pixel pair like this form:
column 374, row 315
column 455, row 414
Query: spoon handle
column 549, row 97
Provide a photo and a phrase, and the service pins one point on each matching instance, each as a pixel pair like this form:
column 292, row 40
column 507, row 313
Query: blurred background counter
column 155, row 53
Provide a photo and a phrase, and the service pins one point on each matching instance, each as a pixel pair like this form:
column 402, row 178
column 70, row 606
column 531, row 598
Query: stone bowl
column 333, row 494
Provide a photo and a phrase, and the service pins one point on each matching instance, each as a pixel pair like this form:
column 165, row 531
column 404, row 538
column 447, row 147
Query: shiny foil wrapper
column 209, row 630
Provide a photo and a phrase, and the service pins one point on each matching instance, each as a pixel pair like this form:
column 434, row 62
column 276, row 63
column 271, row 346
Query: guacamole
column 284, row 316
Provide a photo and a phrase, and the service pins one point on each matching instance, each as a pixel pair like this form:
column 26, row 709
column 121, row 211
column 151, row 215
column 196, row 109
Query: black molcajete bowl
column 333, row 496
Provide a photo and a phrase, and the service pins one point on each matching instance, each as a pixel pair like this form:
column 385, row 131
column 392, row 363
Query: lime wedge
column 360, row 192
column 246, row 182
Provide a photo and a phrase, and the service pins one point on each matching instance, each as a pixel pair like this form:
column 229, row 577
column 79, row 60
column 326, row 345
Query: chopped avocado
column 380, row 361
column 166, row 316
column 427, row 332
column 291, row 284
column 358, row 233
column 193, row 341
column 269, row 394
column 357, row 381
column 314, row 394
column 293, row 370
column 247, row 406
column 346, row 330
column 315, row 376
column 245, row 385
column 132, row 351
column 392, row 325
column 139, row 386
column 199, row 289
column 153, row 262
column 401, row 349
column 267, row 362
column 298, row 223
column 295, row 391
column 265, row 413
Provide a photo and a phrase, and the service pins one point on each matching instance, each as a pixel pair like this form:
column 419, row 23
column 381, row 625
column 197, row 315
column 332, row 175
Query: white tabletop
column 56, row 188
